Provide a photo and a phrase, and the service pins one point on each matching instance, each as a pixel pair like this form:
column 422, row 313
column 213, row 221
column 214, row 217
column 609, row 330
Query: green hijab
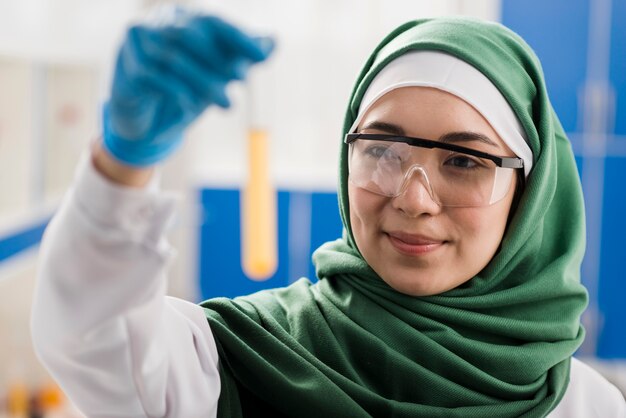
column 499, row 345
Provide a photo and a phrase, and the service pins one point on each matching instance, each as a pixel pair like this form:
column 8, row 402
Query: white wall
column 62, row 30
column 16, row 136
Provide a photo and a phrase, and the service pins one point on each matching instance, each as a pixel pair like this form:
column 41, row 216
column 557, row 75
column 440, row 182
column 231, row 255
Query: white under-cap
column 453, row 75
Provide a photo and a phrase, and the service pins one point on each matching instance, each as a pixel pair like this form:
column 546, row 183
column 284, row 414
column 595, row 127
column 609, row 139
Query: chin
column 412, row 287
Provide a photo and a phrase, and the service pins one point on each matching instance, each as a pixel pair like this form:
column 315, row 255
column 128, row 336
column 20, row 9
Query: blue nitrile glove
column 166, row 76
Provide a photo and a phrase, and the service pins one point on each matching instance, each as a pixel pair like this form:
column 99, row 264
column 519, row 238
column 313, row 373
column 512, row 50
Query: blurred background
column 55, row 62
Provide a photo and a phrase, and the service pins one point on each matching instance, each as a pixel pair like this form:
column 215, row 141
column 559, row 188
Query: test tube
column 258, row 222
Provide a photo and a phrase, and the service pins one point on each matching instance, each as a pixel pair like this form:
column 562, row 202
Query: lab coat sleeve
column 589, row 395
column 101, row 322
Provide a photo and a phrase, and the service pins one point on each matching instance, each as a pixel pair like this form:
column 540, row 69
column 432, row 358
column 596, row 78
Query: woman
column 453, row 292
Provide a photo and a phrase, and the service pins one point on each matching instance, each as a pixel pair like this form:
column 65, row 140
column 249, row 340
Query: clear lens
column 452, row 178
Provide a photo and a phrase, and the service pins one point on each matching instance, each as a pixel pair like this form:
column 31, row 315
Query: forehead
column 428, row 113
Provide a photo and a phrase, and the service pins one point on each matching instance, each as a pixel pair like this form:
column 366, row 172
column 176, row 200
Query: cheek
column 482, row 229
column 480, row 232
column 365, row 213
column 359, row 210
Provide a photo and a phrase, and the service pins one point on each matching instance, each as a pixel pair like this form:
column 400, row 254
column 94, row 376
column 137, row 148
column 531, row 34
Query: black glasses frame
column 505, row 162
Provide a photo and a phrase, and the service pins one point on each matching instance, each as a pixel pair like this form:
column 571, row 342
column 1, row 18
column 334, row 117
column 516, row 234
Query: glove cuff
column 138, row 153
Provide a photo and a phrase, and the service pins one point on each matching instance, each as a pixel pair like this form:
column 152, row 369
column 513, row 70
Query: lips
column 412, row 244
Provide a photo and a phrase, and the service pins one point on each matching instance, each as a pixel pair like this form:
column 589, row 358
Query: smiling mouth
column 413, row 245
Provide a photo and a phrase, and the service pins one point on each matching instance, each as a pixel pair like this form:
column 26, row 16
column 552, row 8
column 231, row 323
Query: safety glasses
column 453, row 175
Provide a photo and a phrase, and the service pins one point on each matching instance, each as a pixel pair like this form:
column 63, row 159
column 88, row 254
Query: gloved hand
column 166, row 75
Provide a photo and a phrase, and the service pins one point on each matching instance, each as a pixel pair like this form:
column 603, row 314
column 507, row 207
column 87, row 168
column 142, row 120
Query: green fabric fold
column 499, row 345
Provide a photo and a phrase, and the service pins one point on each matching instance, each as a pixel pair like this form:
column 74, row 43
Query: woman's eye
column 462, row 161
column 379, row 152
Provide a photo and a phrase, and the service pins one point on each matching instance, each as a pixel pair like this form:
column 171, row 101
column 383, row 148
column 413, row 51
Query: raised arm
column 101, row 322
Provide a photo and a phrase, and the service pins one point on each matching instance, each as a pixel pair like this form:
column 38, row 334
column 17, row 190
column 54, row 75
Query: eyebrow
column 450, row 137
column 385, row 127
column 467, row 136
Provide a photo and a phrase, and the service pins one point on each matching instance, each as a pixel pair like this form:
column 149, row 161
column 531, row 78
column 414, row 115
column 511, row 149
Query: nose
column 416, row 197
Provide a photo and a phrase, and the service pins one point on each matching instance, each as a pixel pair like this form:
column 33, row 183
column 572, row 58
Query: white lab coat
column 119, row 347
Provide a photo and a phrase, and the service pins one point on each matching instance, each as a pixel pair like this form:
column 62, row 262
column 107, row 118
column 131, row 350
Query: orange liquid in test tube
column 259, row 242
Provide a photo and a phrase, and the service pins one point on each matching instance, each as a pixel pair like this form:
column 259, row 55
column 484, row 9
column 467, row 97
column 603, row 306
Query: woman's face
column 415, row 245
